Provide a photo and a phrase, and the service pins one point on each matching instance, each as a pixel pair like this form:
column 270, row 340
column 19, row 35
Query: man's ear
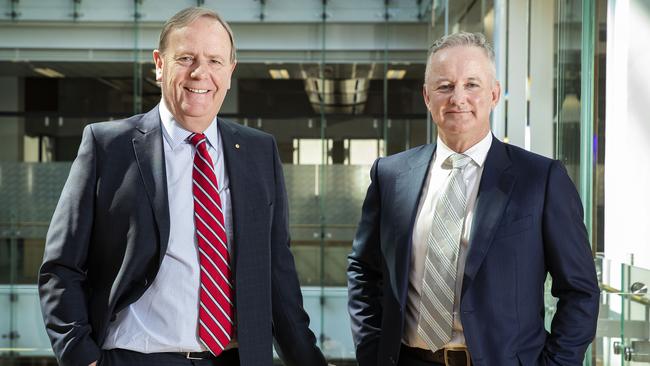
column 425, row 95
column 496, row 94
column 158, row 62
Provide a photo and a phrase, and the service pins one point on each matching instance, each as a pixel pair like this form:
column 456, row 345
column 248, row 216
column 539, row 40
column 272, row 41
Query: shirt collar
column 175, row 134
column 478, row 152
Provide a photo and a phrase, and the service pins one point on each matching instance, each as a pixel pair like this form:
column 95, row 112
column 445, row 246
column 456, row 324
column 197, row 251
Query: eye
column 445, row 87
column 472, row 85
column 216, row 62
column 184, row 59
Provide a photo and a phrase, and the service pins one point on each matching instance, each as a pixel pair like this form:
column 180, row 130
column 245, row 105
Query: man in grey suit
column 170, row 241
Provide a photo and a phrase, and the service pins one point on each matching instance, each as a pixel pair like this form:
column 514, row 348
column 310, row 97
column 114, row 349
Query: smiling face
column 194, row 71
column 460, row 91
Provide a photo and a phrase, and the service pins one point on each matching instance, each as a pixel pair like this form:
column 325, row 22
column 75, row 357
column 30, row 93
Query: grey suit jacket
column 110, row 230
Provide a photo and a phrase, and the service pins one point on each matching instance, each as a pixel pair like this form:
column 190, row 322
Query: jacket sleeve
column 294, row 341
column 62, row 277
column 365, row 277
column 570, row 262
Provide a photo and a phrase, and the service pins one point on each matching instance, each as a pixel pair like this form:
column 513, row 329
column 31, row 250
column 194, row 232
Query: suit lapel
column 408, row 188
column 234, row 159
column 493, row 195
column 150, row 157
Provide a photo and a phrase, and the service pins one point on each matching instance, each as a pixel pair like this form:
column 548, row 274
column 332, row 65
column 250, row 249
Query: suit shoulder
column 523, row 157
column 531, row 166
column 115, row 128
column 416, row 155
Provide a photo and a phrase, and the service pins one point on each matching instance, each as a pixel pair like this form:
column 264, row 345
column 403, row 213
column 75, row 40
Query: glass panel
column 26, row 336
column 606, row 348
column 623, row 332
column 579, row 103
column 29, row 192
column 568, row 87
column 636, row 316
column 579, row 112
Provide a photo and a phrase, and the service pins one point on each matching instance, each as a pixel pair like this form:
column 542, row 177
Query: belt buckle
column 468, row 361
column 188, row 355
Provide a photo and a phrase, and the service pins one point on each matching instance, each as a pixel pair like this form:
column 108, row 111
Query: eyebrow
column 185, row 51
column 471, row 78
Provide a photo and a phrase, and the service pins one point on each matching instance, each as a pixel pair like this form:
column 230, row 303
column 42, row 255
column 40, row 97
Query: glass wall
column 332, row 115
column 581, row 28
column 333, row 111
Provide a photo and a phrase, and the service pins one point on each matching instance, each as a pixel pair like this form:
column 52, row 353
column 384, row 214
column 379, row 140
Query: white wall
column 627, row 148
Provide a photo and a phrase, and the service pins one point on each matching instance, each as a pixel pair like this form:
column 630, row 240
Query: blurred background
column 338, row 83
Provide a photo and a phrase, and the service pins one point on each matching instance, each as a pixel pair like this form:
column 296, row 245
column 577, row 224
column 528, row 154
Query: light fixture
column 50, row 73
column 395, row 74
column 279, row 73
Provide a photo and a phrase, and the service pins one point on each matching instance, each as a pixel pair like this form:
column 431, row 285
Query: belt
column 196, row 355
column 450, row 356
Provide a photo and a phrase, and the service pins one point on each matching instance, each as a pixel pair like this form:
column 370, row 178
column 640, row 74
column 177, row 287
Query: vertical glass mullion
column 624, row 275
column 137, row 66
column 385, row 84
column 323, row 172
column 587, row 110
column 13, row 293
column 446, row 17
column 559, row 80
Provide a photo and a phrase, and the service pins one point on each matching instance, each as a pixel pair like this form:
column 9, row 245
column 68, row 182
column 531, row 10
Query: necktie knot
column 457, row 161
column 196, row 139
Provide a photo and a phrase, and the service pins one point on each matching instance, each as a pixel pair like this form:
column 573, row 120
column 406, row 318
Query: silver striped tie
column 440, row 264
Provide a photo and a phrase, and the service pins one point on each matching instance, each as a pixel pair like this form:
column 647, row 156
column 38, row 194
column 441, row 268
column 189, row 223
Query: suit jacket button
column 391, row 359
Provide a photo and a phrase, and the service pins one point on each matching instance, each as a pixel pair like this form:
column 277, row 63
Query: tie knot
column 457, row 161
column 196, row 139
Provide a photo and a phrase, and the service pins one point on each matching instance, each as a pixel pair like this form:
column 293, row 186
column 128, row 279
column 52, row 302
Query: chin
column 196, row 111
column 459, row 125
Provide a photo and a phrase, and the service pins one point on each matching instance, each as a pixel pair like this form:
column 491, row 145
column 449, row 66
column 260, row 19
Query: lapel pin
column 236, row 146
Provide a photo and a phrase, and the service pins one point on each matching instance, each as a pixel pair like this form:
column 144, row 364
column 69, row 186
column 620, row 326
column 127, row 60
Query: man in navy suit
column 456, row 239
column 170, row 242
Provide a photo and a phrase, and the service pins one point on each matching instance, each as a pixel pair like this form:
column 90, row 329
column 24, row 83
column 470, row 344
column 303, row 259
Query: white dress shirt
column 430, row 191
column 165, row 318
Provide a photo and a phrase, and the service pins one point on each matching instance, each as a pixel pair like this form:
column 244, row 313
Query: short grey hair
column 461, row 39
column 186, row 16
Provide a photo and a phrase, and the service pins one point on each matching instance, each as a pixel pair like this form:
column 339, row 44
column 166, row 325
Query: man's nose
column 458, row 96
column 200, row 71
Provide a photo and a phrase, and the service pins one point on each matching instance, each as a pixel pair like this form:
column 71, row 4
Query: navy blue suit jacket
column 528, row 222
column 110, row 230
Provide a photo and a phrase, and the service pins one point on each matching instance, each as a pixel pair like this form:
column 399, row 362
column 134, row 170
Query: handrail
column 633, row 297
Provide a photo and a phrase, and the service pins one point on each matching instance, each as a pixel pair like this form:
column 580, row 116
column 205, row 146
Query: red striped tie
column 216, row 293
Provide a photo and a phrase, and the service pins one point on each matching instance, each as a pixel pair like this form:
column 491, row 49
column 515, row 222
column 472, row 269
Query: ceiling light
column 279, row 73
column 46, row 71
column 395, row 74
